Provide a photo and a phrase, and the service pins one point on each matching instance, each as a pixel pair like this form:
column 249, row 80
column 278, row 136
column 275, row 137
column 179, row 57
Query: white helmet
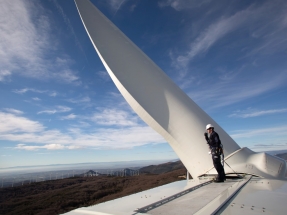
column 209, row 126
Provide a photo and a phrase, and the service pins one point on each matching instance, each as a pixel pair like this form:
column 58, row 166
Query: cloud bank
column 124, row 133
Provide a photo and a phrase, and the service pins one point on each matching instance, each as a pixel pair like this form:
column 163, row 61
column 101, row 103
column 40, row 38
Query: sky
column 59, row 106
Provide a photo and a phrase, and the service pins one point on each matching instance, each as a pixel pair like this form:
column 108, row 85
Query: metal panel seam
column 230, row 197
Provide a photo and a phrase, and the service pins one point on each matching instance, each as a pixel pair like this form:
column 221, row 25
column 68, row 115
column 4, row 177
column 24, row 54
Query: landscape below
column 63, row 195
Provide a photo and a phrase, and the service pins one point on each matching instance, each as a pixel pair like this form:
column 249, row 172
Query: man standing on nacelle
column 216, row 150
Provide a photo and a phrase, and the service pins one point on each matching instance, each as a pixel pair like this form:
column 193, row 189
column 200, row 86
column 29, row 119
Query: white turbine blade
column 151, row 93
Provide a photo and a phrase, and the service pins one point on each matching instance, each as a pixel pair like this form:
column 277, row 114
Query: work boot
column 218, row 181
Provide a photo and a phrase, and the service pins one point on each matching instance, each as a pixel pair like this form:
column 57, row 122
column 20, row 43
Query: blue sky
column 59, row 106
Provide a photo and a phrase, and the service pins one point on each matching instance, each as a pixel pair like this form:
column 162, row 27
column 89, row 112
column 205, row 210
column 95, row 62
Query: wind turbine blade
column 151, row 93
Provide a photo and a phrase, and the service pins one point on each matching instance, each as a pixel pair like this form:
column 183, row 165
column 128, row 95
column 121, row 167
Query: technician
column 215, row 146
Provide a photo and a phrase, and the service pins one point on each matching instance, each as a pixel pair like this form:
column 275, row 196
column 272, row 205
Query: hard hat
column 209, row 126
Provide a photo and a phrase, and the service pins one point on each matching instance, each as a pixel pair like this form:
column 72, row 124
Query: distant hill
column 162, row 168
column 283, row 156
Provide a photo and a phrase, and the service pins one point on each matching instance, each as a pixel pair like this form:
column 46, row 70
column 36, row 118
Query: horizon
column 92, row 163
column 58, row 104
column 19, row 171
column 276, row 152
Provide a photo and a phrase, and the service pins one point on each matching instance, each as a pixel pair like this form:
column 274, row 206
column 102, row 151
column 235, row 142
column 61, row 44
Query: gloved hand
column 206, row 136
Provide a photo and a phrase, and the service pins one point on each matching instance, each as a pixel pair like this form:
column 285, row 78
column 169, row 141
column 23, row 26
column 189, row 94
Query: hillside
column 60, row 196
column 162, row 168
column 283, row 156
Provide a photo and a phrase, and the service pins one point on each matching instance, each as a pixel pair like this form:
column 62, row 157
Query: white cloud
column 53, row 94
column 48, row 147
column 25, row 90
column 132, row 8
column 10, row 124
column 19, row 34
column 25, row 43
column 36, row 99
column 68, row 23
column 115, row 94
column 116, row 4
column 25, row 131
column 58, row 109
column 82, row 124
column 254, row 113
column 104, row 75
column 13, row 111
column 4, row 74
column 85, row 99
column 67, row 75
column 102, row 138
column 275, row 131
column 129, row 137
column 182, row 4
column 54, row 146
column 114, row 117
column 48, row 111
column 210, row 36
column 271, row 36
column 269, row 147
column 70, row 116
column 270, row 32
column 223, row 93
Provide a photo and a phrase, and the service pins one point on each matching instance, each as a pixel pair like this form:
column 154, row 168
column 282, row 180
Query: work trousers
column 218, row 166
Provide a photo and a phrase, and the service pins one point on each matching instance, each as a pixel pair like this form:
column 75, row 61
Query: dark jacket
column 213, row 140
